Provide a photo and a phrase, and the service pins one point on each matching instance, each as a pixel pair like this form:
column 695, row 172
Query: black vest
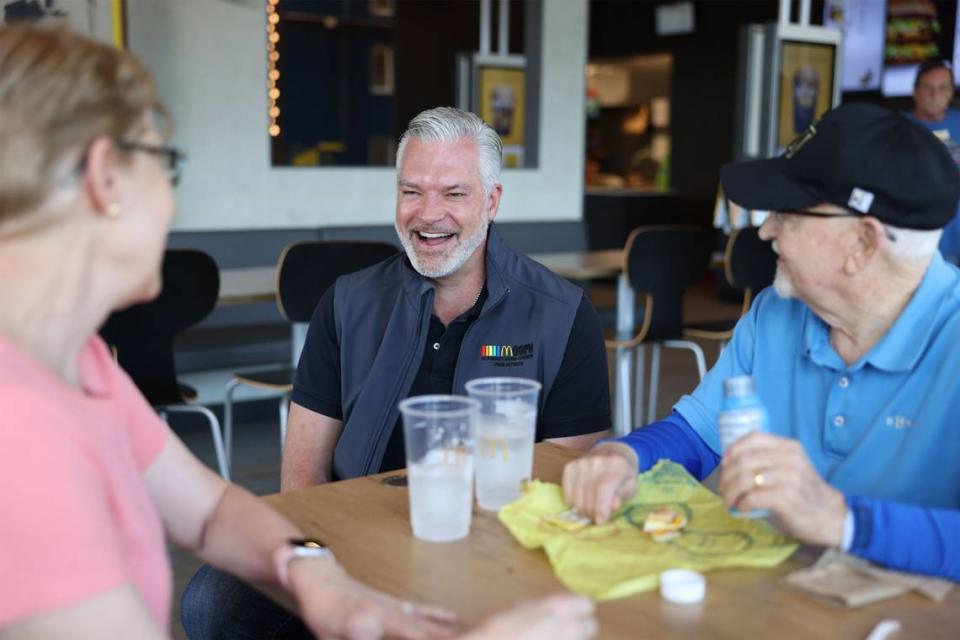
column 382, row 314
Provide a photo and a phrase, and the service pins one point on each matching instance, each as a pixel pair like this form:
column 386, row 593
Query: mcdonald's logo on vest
column 506, row 355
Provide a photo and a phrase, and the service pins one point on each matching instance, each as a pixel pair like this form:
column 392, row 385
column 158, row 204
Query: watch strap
column 296, row 548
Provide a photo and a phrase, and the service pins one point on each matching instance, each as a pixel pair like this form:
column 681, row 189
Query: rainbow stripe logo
column 506, row 352
column 496, row 351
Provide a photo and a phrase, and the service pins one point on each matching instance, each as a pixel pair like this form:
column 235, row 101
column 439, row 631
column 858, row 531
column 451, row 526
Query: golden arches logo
column 456, row 456
column 490, row 447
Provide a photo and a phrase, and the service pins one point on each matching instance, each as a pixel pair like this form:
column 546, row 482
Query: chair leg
column 621, row 426
column 637, row 416
column 697, row 353
column 654, row 382
column 284, row 413
column 214, row 431
column 228, row 419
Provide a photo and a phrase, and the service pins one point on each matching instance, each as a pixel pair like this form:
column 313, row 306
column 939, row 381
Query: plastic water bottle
column 740, row 414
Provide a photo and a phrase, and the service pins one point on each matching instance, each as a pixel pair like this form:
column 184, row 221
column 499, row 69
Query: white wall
column 210, row 62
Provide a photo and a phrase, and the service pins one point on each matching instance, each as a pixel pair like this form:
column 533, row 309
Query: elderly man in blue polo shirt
column 855, row 352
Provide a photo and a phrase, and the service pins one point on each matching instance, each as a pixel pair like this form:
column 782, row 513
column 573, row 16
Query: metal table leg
column 621, row 414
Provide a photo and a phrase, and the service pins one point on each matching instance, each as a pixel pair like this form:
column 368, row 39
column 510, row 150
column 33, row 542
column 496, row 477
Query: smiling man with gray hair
column 423, row 322
column 855, row 354
column 418, row 323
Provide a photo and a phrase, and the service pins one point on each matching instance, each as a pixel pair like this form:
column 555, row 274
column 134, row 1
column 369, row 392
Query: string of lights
column 273, row 74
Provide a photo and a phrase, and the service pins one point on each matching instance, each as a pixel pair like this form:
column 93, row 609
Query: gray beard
column 783, row 285
column 456, row 260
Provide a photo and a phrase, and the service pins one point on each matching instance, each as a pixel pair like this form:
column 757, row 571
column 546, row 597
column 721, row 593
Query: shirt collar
column 903, row 344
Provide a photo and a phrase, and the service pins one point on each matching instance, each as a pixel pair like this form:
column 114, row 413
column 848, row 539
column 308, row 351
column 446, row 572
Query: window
column 346, row 76
column 628, row 123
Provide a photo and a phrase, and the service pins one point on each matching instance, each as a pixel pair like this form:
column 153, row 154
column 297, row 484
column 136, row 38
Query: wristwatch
column 297, row 548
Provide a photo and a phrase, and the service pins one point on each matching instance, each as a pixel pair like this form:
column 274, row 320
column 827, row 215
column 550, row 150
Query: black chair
column 749, row 264
column 142, row 336
column 305, row 271
column 661, row 263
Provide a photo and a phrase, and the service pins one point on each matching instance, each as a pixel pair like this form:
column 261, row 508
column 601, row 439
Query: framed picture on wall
column 104, row 20
column 501, row 103
column 806, row 86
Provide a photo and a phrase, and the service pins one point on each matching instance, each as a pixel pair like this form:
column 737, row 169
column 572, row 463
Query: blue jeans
column 218, row 606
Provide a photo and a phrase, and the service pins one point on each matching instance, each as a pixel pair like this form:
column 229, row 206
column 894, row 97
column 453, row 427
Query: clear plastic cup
column 438, row 433
column 505, row 433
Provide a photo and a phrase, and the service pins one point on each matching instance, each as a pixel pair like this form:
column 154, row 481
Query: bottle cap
column 739, row 387
column 682, row 586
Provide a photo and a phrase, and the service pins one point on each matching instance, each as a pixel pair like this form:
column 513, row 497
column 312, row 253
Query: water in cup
column 438, row 489
column 438, row 434
column 505, row 433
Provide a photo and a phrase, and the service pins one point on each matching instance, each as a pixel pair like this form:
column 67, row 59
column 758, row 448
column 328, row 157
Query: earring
column 113, row 210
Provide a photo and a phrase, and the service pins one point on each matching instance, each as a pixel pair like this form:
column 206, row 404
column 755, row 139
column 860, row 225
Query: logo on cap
column 860, row 200
column 801, row 140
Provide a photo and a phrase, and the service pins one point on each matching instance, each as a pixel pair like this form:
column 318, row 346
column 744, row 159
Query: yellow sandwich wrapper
column 618, row 559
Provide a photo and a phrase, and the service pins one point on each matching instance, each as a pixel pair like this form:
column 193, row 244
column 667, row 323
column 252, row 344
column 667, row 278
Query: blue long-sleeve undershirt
column 900, row 536
column 906, row 537
column 674, row 439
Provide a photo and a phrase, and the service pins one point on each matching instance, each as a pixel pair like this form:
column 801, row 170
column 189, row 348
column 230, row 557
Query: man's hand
column 598, row 483
column 559, row 617
column 334, row 605
column 764, row 471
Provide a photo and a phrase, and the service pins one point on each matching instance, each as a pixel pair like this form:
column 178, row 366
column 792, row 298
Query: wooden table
column 583, row 265
column 247, row 285
column 258, row 284
column 366, row 523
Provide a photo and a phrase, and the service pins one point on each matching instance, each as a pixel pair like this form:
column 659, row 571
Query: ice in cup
column 505, row 432
column 438, row 433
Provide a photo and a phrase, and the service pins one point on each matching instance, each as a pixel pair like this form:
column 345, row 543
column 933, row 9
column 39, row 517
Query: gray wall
column 209, row 57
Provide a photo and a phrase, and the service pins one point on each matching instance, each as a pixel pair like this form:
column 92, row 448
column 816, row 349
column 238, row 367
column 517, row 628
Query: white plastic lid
column 682, row 586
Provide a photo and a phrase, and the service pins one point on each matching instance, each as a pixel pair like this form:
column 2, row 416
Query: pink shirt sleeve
column 147, row 433
column 58, row 543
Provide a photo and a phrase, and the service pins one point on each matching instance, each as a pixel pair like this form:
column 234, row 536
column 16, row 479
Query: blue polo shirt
column 887, row 426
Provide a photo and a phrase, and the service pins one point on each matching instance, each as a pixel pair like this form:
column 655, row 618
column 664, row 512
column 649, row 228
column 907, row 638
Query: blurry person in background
column 91, row 480
column 932, row 100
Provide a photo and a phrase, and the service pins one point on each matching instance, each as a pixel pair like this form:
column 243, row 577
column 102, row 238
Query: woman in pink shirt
column 91, row 480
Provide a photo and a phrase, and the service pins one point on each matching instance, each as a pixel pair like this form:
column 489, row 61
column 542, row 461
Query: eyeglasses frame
column 175, row 157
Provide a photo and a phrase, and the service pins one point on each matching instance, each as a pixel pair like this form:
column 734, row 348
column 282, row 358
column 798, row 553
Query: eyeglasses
column 175, row 157
column 778, row 220
column 776, row 216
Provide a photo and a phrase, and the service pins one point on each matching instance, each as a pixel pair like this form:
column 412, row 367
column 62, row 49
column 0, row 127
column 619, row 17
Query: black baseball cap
column 867, row 159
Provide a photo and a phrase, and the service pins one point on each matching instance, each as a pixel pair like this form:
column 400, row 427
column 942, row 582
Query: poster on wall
column 100, row 19
column 913, row 35
column 806, row 86
column 501, row 104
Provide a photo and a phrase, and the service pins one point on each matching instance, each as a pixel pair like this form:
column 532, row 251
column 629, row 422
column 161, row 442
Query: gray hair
column 911, row 245
column 447, row 124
